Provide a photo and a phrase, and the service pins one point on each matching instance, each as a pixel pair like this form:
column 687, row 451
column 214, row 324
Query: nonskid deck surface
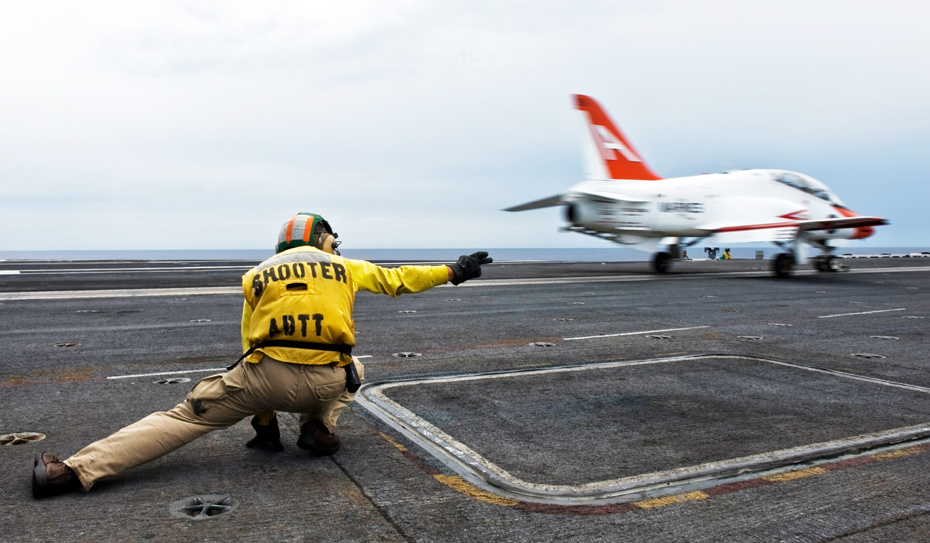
column 581, row 401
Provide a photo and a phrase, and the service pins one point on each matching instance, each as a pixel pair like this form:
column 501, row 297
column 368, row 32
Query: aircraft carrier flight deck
column 544, row 401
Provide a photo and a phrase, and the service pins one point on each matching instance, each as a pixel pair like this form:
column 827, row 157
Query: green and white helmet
column 304, row 229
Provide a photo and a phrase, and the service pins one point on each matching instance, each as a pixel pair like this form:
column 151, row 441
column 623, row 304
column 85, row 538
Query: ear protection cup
column 328, row 243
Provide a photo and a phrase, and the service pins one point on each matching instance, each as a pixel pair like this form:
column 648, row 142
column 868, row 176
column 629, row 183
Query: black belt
column 338, row 348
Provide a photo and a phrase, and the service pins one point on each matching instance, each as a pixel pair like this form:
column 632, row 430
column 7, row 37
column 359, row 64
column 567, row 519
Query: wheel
column 828, row 263
column 783, row 265
column 820, row 264
column 662, row 262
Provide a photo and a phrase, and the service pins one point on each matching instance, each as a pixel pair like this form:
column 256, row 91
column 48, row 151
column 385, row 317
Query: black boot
column 267, row 436
column 51, row 477
column 316, row 438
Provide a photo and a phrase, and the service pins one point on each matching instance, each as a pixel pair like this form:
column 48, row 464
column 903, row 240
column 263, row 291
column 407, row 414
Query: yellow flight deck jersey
column 306, row 295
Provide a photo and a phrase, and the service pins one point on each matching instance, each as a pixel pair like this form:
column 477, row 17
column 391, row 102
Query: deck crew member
column 298, row 335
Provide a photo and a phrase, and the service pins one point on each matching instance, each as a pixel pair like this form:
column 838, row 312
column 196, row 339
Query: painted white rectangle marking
column 861, row 313
column 164, row 373
column 636, row 333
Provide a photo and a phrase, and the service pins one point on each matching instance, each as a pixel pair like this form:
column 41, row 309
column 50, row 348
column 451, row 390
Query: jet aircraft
column 623, row 201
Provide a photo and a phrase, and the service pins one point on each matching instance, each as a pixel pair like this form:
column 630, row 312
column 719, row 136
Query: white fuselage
column 743, row 206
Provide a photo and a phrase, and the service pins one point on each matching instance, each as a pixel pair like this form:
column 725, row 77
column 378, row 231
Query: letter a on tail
column 607, row 153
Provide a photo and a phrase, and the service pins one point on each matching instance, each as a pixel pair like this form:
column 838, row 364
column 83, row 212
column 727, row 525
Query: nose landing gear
column 829, row 263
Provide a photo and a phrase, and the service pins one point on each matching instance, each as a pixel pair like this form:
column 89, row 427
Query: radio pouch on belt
column 352, row 380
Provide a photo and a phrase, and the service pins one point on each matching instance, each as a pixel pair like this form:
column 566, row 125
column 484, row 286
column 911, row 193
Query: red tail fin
column 609, row 154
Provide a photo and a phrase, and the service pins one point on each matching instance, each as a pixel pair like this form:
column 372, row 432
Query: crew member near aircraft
column 297, row 334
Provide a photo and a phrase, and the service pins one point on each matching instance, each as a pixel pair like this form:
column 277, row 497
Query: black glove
column 267, row 436
column 469, row 267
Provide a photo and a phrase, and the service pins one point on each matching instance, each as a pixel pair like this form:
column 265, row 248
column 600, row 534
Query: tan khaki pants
column 219, row 401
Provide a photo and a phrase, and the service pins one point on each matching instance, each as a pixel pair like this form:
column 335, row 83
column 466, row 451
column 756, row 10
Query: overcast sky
column 412, row 123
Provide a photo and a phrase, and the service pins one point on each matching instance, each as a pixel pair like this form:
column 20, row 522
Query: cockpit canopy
column 808, row 184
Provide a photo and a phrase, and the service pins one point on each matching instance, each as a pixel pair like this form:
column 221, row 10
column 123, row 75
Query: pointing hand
column 469, row 266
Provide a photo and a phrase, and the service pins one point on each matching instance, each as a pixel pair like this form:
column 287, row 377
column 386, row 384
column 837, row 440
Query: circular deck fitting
column 19, row 438
column 752, row 338
column 204, row 506
column 200, row 320
column 563, row 319
column 780, row 324
column 542, row 344
column 660, row 336
column 66, row 344
column 868, row 356
column 407, row 311
column 172, row 380
column 884, row 337
column 406, row 355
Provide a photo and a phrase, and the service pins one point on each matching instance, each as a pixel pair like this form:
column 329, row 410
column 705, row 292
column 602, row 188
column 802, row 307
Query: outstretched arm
column 410, row 279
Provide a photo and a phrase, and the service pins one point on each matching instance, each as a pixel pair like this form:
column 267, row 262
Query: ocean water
column 601, row 254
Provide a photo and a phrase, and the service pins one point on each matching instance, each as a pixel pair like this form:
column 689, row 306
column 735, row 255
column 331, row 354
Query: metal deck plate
column 619, row 431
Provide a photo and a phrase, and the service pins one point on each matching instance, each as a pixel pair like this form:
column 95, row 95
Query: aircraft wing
column 612, row 197
column 842, row 222
column 538, row 204
column 559, row 199
column 787, row 230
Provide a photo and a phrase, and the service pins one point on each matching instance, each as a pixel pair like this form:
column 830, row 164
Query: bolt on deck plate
column 406, row 355
column 172, row 380
column 204, row 506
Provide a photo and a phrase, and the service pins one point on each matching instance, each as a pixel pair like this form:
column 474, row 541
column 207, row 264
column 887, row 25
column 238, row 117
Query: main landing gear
column 662, row 261
column 783, row 265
